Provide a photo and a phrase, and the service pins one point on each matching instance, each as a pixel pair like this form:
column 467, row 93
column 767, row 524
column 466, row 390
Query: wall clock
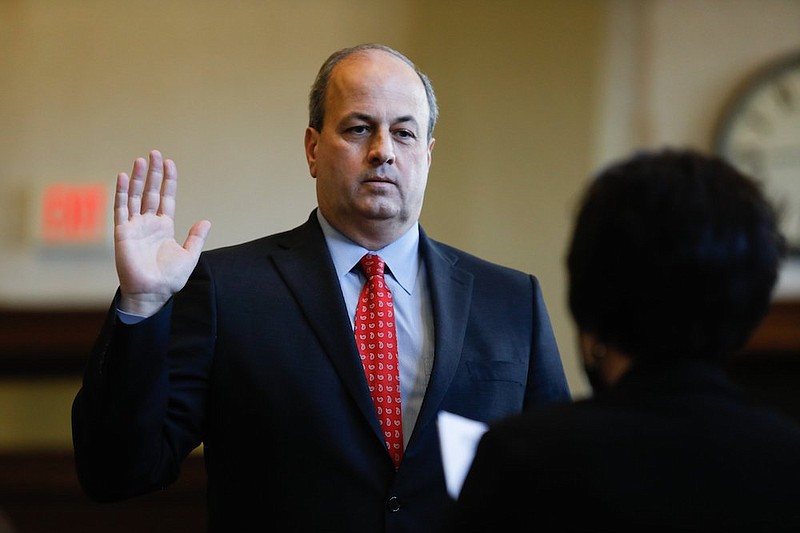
column 759, row 132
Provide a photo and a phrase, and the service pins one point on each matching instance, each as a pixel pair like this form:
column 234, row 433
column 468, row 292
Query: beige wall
column 534, row 95
column 221, row 87
column 674, row 65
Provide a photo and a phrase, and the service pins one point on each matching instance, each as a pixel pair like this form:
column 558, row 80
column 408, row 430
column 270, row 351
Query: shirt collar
column 401, row 256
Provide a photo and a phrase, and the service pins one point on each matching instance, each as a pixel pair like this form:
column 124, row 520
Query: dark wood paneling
column 39, row 492
column 47, row 342
column 58, row 341
column 779, row 332
column 769, row 366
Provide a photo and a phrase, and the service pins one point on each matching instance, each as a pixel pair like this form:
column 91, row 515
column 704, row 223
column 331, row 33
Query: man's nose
column 381, row 149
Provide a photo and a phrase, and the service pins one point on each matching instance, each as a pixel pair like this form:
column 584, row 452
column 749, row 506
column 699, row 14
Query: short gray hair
column 316, row 98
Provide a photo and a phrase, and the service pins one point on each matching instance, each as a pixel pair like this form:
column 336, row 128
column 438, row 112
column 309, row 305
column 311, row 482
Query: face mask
column 595, row 379
column 592, row 353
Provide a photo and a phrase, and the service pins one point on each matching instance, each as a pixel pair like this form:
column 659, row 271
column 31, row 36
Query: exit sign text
column 73, row 214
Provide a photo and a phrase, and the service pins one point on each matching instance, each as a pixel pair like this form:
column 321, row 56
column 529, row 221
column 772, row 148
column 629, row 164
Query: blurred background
column 535, row 97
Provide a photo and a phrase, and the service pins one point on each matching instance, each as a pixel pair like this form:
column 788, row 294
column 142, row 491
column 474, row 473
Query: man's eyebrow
column 368, row 118
column 358, row 116
column 405, row 118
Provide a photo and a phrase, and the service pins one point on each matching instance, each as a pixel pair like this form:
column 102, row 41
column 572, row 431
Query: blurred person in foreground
column 672, row 265
column 255, row 354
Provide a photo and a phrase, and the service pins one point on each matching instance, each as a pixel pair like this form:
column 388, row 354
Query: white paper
column 459, row 438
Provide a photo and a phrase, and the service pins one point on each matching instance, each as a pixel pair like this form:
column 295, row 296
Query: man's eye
column 405, row 134
column 358, row 130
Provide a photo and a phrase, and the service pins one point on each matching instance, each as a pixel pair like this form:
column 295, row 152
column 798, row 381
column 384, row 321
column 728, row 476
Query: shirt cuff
column 129, row 318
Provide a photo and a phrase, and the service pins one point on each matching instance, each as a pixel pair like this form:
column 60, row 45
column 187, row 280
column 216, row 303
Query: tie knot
column 372, row 265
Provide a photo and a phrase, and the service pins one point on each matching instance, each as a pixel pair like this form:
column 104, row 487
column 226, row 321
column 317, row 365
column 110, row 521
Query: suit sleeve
column 547, row 382
column 140, row 408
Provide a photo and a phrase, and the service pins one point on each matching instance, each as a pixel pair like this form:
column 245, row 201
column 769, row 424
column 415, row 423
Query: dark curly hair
column 674, row 254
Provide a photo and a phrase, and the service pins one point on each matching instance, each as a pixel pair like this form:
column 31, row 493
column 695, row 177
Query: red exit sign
column 73, row 214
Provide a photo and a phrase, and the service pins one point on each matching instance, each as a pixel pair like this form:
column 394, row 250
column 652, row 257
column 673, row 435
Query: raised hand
column 151, row 264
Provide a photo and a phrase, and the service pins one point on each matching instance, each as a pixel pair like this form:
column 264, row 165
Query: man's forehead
column 375, row 66
column 375, row 82
column 374, row 57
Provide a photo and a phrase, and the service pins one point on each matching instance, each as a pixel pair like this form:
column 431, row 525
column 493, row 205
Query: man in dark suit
column 254, row 356
column 672, row 263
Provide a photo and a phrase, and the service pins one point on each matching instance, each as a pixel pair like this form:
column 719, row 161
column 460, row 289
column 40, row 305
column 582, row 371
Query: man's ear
column 311, row 141
column 430, row 151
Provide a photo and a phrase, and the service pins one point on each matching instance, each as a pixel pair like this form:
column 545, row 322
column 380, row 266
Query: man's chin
column 379, row 211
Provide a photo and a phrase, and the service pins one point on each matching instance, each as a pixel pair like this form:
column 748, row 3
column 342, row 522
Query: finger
column 151, row 197
column 136, row 186
column 121, row 199
column 169, row 189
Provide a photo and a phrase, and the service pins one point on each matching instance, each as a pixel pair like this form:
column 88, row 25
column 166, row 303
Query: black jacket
column 671, row 448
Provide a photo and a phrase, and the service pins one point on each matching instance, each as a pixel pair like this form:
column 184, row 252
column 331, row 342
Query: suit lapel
column 306, row 267
column 451, row 295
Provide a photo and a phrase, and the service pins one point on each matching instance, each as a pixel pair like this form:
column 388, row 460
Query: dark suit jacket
column 256, row 359
column 668, row 449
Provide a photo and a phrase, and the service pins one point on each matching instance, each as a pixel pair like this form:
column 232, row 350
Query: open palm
column 151, row 264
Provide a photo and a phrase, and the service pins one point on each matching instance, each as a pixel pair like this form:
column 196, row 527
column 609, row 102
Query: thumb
column 197, row 237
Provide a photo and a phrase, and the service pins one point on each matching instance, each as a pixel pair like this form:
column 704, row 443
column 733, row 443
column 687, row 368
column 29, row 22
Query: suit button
column 393, row 504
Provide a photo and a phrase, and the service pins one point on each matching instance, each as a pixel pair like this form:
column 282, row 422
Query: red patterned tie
column 377, row 344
